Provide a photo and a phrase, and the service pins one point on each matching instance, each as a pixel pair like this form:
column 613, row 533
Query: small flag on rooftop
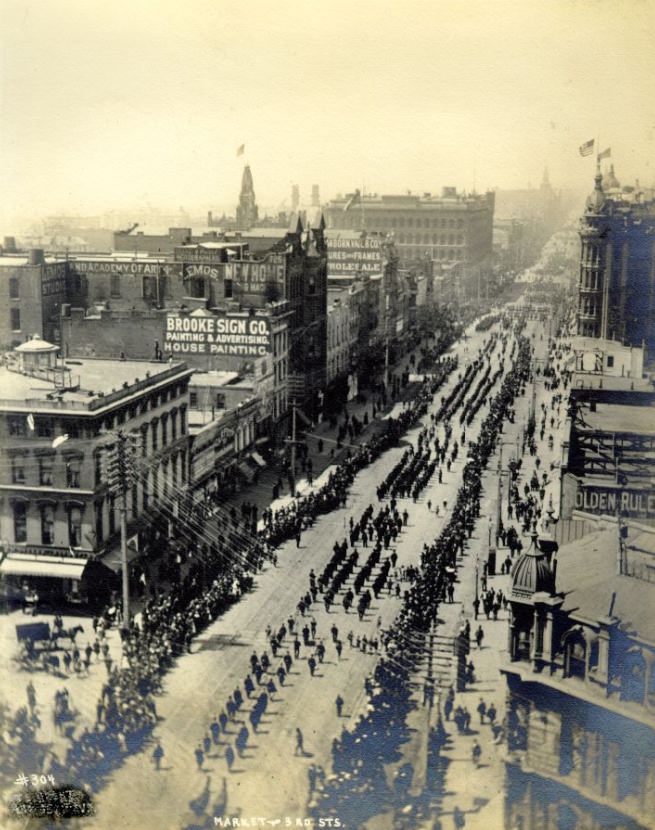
column 355, row 199
column 605, row 154
column 587, row 148
column 241, row 149
column 59, row 440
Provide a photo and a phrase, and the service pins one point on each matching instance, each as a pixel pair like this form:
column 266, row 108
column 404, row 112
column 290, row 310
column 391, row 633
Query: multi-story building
column 32, row 289
column 339, row 335
column 581, row 684
column 57, row 418
column 453, row 228
column 247, row 212
column 616, row 288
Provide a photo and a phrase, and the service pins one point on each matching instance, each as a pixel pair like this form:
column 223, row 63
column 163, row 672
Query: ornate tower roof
column 596, row 199
column 247, row 212
column 532, row 575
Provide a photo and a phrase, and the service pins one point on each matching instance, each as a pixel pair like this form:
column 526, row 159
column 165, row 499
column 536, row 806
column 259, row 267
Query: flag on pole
column 355, row 199
column 587, row 148
column 605, row 154
column 30, row 421
column 59, row 440
column 133, row 542
column 241, row 149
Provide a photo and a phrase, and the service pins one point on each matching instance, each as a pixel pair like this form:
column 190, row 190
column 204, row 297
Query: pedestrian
column 206, row 744
column 339, row 648
column 296, row 648
column 200, row 757
column 339, row 704
column 482, row 710
column 458, row 818
column 479, row 636
column 476, row 752
column 157, row 755
column 215, row 729
column 311, row 663
column 491, row 714
column 229, row 757
column 300, row 747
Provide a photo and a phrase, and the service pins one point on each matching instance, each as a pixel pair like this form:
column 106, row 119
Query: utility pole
column 120, row 474
column 293, row 449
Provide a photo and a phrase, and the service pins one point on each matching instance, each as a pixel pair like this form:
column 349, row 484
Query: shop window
column 45, row 472
column 20, row 521
column 14, row 288
column 115, row 285
column 75, row 526
column 15, row 319
column 47, row 524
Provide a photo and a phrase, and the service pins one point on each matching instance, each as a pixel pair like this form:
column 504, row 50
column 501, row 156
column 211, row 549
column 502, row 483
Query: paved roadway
column 269, row 781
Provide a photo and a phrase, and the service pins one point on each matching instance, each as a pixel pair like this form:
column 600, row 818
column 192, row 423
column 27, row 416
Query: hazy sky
column 118, row 103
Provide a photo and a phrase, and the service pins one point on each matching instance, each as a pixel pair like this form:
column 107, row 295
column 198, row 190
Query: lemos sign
column 228, row 334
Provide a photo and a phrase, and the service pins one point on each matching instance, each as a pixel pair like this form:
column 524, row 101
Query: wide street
column 269, row 780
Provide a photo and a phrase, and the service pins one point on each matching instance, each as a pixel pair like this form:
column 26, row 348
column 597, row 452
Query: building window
column 45, row 472
column 100, row 530
column 193, row 400
column 73, row 467
column 196, row 287
column 74, row 526
column 115, row 285
column 220, row 400
column 112, row 515
column 47, row 525
column 228, row 288
column 17, row 425
column 154, row 436
column 183, row 420
column 18, row 469
column 149, row 287
column 164, row 430
column 15, row 319
column 174, row 425
column 610, row 361
column 45, row 428
column 20, row 521
column 14, row 288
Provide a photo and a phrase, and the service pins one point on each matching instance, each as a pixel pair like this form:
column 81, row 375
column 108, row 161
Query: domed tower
column 596, row 199
column 610, row 182
column 247, row 212
column 532, row 600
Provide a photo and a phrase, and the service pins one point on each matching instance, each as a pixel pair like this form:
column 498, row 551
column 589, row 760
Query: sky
column 119, row 104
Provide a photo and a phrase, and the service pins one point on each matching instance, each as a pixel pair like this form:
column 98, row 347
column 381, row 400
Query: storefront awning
column 52, row 566
column 256, row 457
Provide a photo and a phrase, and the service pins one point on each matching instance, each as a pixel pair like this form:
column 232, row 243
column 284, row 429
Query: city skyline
column 108, row 107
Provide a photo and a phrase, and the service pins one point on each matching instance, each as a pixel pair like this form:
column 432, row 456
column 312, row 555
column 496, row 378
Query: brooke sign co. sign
column 225, row 334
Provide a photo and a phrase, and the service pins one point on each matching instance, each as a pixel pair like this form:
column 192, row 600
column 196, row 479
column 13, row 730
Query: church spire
column 247, row 213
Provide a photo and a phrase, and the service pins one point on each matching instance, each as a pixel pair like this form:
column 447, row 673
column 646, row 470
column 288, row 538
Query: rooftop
column 214, row 379
column 620, row 418
column 588, row 576
column 99, row 381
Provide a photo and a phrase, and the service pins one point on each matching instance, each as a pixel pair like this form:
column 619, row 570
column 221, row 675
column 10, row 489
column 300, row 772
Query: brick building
column 581, row 685
column 616, row 287
column 55, row 502
column 454, row 229
column 33, row 288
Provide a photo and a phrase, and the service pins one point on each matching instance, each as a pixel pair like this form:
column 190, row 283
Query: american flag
column 587, row 148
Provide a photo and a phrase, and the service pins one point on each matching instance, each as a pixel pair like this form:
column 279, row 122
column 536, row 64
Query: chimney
column 36, row 257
